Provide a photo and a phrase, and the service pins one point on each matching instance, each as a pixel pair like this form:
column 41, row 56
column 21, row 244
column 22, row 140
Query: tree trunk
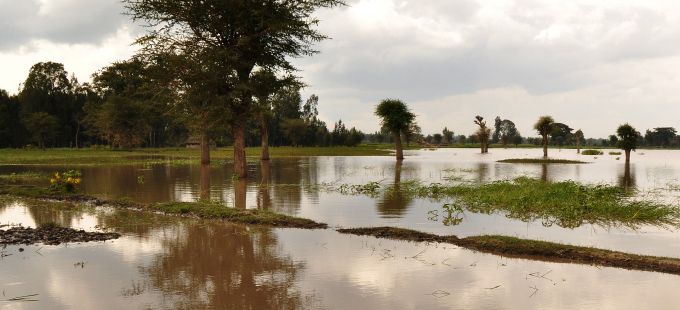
column 397, row 141
column 578, row 145
column 205, row 149
column 627, row 155
column 77, row 132
column 545, row 146
column 265, row 143
column 238, row 129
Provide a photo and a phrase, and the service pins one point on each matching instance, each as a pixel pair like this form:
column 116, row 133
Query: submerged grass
column 566, row 203
column 202, row 209
column 592, row 152
column 234, row 215
column 540, row 161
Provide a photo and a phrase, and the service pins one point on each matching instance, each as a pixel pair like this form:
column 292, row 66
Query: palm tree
column 396, row 118
column 545, row 126
column 628, row 139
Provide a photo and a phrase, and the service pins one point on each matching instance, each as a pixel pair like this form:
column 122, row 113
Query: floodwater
column 168, row 263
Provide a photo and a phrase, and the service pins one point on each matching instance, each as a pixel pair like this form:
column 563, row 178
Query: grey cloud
column 64, row 21
column 494, row 53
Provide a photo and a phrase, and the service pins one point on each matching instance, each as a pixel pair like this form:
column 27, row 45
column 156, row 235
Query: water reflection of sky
column 281, row 185
column 205, row 264
column 193, row 264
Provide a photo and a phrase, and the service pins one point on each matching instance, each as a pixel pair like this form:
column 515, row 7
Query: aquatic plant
column 68, row 181
column 592, row 152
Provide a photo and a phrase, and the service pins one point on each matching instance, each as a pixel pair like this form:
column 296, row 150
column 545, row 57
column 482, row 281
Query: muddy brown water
column 190, row 264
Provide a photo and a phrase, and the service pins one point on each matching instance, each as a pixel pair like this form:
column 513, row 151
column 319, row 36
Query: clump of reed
column 592, row 152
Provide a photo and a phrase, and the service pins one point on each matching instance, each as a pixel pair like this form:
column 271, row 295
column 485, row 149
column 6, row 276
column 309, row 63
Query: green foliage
column 42, row 127
column 395, row 115
column 592, row 152
column 628, row 137
column 68, row 181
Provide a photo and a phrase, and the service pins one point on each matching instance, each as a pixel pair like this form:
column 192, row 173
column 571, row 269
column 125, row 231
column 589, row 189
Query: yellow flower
column 77, row 181
column 52, row 180
column 69, row 180
column 58, row 177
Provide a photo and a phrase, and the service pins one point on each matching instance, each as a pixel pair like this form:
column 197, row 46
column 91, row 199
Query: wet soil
column 530, row 249
column 51, row 235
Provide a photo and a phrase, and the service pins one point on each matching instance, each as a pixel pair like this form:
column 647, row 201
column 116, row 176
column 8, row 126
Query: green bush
column 592, row 152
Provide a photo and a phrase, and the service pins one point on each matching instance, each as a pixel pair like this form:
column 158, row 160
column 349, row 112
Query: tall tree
column 545, row 126
column 578, row 134
column 497, row 130
column 395, row 118
column 628, row 139
column 507, row 131
column 265, row 85
column 448, row 135
column 230, row 38
column 483, row 133
column 663, row 135
column 48, row 89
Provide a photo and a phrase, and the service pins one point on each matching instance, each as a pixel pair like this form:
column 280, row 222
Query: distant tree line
column 126, row 106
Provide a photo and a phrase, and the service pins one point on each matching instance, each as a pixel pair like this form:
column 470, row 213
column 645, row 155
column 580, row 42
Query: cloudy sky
column 590, row 64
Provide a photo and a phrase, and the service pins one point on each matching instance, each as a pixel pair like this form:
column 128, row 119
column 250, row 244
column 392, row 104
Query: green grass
column 541, row 161
column 565, row 204
column 614, row 153
column 243, row 216
column 170, row 155
column 592, row 152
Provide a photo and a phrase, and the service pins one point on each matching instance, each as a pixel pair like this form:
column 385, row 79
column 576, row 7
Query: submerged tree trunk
column 545, row 146
column 238, row 128
column 578, row 145
column 205, row 148
column 397, row 141
column 265, row 143
column 627, row 155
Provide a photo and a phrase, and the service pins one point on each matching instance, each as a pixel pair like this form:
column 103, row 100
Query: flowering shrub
column 68, row 181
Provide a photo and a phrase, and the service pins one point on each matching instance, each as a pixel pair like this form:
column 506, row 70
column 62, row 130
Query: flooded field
column 169, row 263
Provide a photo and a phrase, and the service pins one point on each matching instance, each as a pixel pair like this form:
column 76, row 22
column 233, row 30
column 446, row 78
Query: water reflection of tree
column 482, row 172
column 219, row 266
column 627, row 179
column 286, row 175
column 263, row 193
column 205, row 182
column 395, row 202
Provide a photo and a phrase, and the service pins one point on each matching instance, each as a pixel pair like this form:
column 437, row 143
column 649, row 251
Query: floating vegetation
column 541, row 161
column 565, row 204
column 592, row 152
column 614, row 153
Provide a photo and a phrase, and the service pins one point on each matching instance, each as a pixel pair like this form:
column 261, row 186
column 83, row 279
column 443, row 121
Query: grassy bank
column 183, row 155
column 531, row 249
column 206, row 210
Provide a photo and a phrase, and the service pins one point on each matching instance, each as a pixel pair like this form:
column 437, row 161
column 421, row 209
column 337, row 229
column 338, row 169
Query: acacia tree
column 229, row 38
column 395, row 118
column 629, row 137
column 483, row 133
column 265, row 86
column 545, row 126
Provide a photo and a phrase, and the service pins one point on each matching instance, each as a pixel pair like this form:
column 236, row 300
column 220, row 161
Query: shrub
column 592, row 152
